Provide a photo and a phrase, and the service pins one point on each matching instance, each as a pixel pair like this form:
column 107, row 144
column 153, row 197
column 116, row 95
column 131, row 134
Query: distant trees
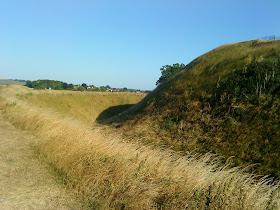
column 102, row 88
column 29, row 84
column 81, row 88
column 70, row 86
column 58, row 85
column 84, row 85
column 19, row 80
column 45, row 84
column 168, row 71
column 65, row 85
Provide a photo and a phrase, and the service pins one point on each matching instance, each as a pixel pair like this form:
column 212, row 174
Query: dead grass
column 110, row 174
column 26, row 183
column 85, row 106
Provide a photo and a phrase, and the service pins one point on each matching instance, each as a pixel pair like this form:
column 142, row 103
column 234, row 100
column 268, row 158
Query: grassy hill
column 11, row 82
column 226, row 101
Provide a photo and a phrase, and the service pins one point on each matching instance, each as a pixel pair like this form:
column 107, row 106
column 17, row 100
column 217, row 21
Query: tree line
column 58, row 85
column 167, row 71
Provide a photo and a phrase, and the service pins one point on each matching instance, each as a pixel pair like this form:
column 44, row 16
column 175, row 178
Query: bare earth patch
column 25, row 182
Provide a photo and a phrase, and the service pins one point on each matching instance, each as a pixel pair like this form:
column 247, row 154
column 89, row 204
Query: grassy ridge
column 109, row 173
column 225, row 101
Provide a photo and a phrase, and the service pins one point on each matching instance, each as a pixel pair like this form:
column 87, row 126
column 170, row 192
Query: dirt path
column 26, row 183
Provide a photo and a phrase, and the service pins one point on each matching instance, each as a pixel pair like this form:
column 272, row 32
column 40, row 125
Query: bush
column 251, row 81
column 81, row 88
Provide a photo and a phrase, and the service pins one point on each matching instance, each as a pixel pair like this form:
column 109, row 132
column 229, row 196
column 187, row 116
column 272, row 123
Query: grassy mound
column 226, row 101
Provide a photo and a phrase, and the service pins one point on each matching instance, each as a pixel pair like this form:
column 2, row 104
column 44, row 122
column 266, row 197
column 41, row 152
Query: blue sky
column 121, row 43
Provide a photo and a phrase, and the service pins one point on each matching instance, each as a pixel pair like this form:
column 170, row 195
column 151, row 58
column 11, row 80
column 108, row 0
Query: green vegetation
column 168, row 71
column 226, row 101
column 66, row 86
column 45, row 84
column 81, row 88
column 251, row 83
column 58, row 85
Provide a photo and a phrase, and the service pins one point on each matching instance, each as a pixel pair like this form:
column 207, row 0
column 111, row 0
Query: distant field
column 10, row 82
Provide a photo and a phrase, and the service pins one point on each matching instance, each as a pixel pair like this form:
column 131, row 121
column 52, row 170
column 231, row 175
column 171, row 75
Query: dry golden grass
column 85, row 106
column 26, row 183
column 111, row 174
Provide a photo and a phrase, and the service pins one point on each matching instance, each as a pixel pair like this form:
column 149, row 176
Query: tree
column 45, row 84
column 81, row 88
column 65, row 85
column 102, row 89
column 96, row 89
column 168, row 71
column 84, row 85
column 29, row 84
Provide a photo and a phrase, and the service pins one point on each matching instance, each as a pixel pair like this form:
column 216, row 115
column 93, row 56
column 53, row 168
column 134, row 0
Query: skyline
column 124, row 43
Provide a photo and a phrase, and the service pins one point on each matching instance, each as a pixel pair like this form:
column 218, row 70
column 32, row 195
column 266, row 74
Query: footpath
column 25, row 182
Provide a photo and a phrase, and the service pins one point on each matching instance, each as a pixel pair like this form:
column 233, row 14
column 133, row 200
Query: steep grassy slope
column 225, row 101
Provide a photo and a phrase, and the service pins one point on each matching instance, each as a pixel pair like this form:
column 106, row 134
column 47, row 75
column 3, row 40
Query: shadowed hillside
column 226, row 101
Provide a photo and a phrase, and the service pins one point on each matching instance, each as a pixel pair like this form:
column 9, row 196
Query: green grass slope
column 226, row 101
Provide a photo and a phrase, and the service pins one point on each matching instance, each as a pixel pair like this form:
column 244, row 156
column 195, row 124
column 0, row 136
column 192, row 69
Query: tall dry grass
column 111, row 174
column 84, row 106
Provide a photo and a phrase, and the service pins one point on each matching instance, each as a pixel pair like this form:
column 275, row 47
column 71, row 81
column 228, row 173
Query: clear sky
column 121, row 43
